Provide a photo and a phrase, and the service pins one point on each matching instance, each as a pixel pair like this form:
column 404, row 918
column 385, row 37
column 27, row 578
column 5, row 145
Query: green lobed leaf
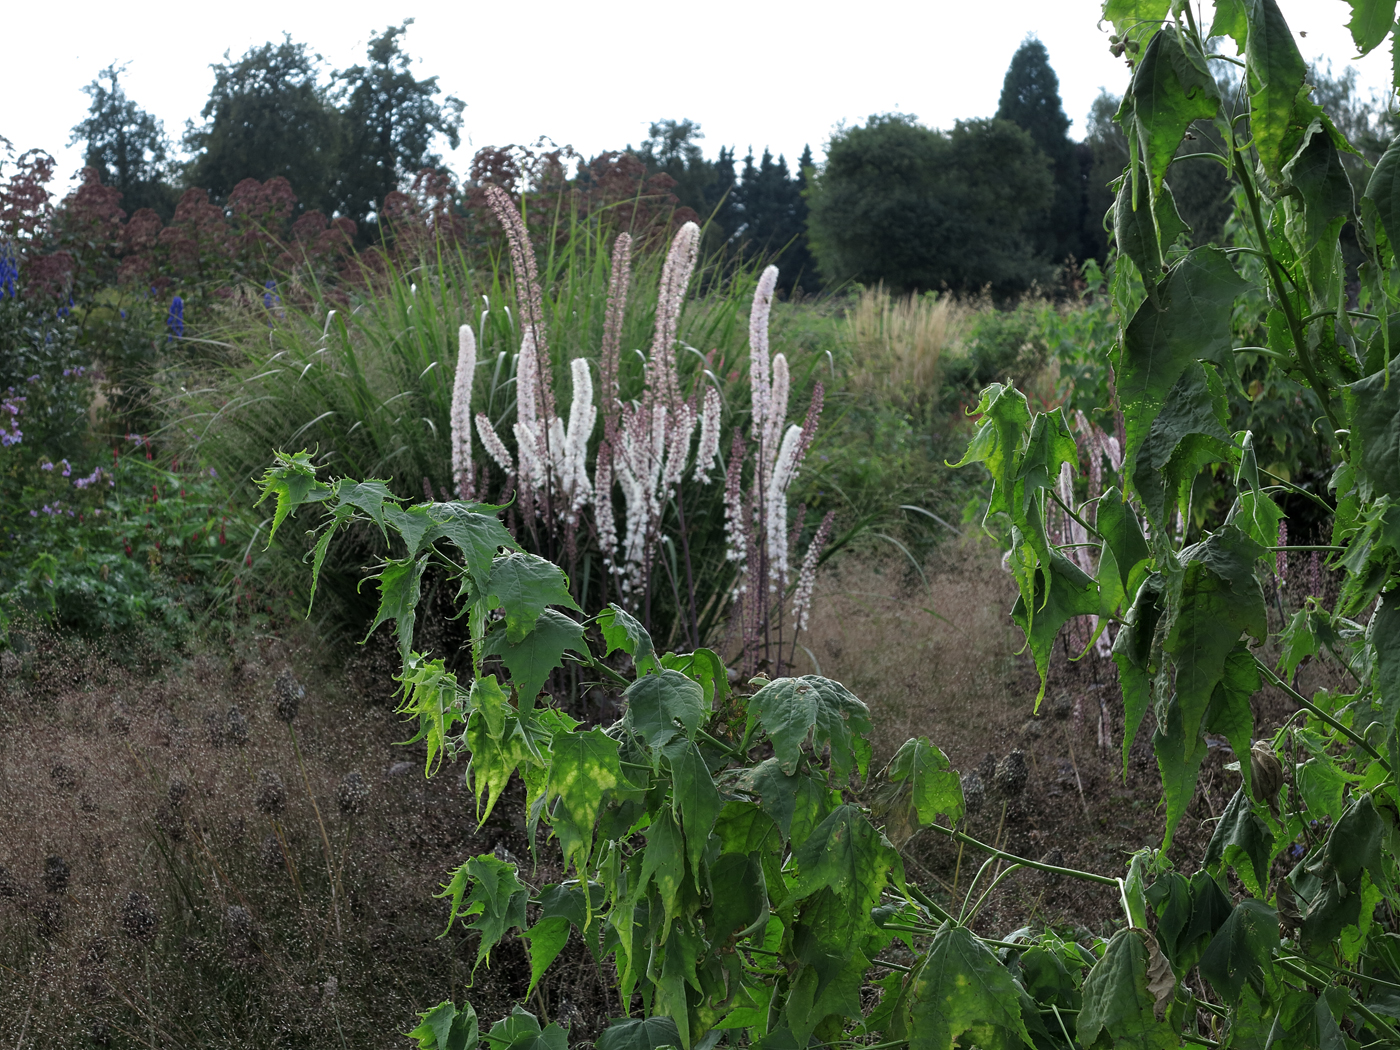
column 1003, row 415
column 521, row 1031
column 1189, row 432
column 621, row 630
column 917, row 787
column 531, row 660
column 639, row 1033
column 962, row 995
column 796, row 803
column 1072, row 592
column 400, row 586
column 1230, row 714
column 1383, row 192
column 1146, row 232
column 1383, row 633
column 497, row 900
column 525, row 585
column 1230, row 20
column 368, row 497
column 474, row 530
column 1373, row 414
column 661, row 706
column 1118, row 1009
column 792, row 710
column 582, row 767
column 1242, row 950
column 546, row 939
column 1318, row 178
column 1132, row 652
column 444, row 1027
column 847, row 855
column 1190, row 321
column 1370, row 22
column 292, row 482
column 1170, row 89
column 663, row 863
column 1122, row 535
column 432, row 695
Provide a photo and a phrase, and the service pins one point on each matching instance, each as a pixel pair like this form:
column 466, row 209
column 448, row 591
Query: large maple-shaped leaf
column 847, row 855
column 583, row 766
column 474, row 530
column 639, row 1033
column 1242, row 950
column 400, row 586
column 292, row 482
column 622, row 630
column 497, row 900
column 537, row 653
column 526, row 585
column 792, row 710
column 660, row 706
column 916, row 788
column 962, row 995
column 1072, row 592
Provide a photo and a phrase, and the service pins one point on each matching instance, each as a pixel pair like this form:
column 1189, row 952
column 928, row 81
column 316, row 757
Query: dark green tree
column 1030, row 99
column 126, row 145
column 704, row 186
column 920, row 209
column 391, row 118
column 268, row 115
column 774, row 216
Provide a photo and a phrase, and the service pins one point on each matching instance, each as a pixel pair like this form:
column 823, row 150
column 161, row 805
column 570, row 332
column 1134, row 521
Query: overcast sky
column 751, row 72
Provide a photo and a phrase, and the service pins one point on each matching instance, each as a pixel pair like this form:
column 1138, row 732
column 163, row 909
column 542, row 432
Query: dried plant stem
column 1078, row 782
column 325, row 839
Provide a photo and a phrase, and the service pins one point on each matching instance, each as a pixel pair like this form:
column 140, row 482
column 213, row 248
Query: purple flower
column 175, row 320
column 46, row 465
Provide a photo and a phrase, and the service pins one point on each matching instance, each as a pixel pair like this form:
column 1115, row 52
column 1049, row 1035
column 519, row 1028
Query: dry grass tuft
column 897, row 344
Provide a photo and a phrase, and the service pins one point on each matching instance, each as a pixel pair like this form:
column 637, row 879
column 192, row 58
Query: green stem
column 1381, row 1027
column 1088, row 528
column 1301, row 491
column 1312, row 548
column 1053, row 869
column 929, row 903
column 988, row 892
column 1302, row 701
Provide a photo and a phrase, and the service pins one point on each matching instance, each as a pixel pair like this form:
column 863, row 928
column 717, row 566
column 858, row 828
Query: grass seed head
column 352, row 794
column 1011, row 775
column 55, row 874
column 270, row 855
column 974, row 791
column 236, row 727
column 287, row 694
column 139, row 918
column 272, row 794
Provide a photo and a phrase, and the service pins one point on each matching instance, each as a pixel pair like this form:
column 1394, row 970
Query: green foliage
column 921, row 209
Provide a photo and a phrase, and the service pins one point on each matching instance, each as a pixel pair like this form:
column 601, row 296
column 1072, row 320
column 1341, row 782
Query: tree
column 921, row 209
column 774, row 215
column 391, row 119
column 268, row 115
column 126, row 146
column 706, row 187
column 1030, row 99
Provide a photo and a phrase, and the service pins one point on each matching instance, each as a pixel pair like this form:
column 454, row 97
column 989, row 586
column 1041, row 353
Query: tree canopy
column 126, row 145
column 923, row 209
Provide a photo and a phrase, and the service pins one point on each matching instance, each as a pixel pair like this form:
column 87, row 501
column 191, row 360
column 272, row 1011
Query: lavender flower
column 618, row 281
column 807, row 575
column 461, row 412
column 759, row 387
column 493, row 445
column 675, row 279
column 707, row 453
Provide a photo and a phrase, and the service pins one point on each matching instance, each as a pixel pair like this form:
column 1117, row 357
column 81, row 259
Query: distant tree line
column 998, row 204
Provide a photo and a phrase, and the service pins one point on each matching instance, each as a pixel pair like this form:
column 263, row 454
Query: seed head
column 272, row 795
column 8, row 886
column 287, row 695
column 987, row 768
column 974, row 793
column 48, row 916
column 352, row 794
column 64, row 776
column 178, row 790
column 241, row 929
column 1011, row 775
column 169, row 820
column 236, row 726
column 270, row 856
column 55, row 874
column 139, row 917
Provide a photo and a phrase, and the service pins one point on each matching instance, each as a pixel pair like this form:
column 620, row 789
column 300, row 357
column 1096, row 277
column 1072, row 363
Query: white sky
column 751, row 72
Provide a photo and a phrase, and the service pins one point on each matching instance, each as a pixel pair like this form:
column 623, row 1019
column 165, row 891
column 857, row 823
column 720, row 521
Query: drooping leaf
column 1230, row 714
column 400, row 586
column 537, row 654
column 476, row 531
column 962, row 995
column 1118, row 1009
column 1316, row 174
column 546, row 939
column 369, row 498
column 1242, row 949
column 1373, row 413
column 847, row 855
column 1145, row 232
column 621, row 630
column 521, row 1031
column 1122, row 534
column 1189, row 432
column 1004, row 415
column 339, row 517
column 1384, row 635
column 1280, row 110
column 661, row 706
column 697, row 801
column 1132, row 651
column 737, row 896
column 796, row 803
column 431, row 694
column 494, row 758
column 526, row 585
column 497, row 900
column 743, row 828
column 663, row 863
column 792, row 710
column 1170, row 898
column 1072, row 592
column 1370, row 22
column 1189, row 322
column 1230, row 21
column 444, row 1027
column 1243, row 841
column 1170, row 89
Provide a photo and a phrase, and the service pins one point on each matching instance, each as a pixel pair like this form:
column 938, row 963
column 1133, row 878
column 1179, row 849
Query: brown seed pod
column 1267, row 774
column 177, row 791
column 270, row 855
column 139, row 917
column 272, row 795
column 974, row 793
